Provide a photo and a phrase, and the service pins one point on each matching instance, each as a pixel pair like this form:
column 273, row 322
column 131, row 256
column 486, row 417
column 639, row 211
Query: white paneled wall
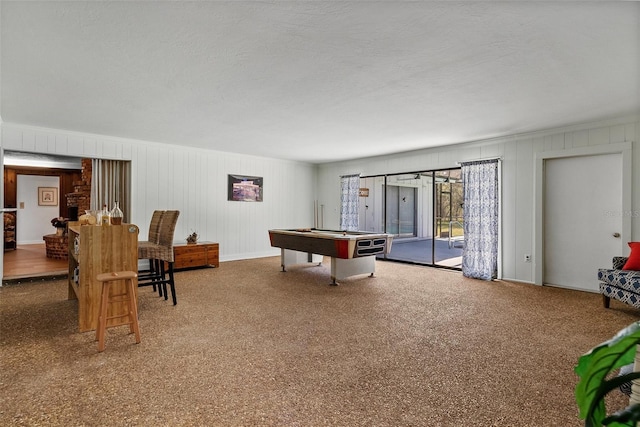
column 193, row 181
column 518, row 192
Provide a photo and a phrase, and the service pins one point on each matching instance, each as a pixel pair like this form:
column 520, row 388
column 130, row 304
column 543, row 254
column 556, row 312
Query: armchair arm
column 619, row 261
column 613, row 277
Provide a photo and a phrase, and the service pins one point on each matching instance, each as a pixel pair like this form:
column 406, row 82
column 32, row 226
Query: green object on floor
column 594, row 366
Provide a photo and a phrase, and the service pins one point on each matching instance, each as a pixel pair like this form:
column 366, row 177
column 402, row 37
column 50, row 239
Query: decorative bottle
column 106, row 220
column 116, row 214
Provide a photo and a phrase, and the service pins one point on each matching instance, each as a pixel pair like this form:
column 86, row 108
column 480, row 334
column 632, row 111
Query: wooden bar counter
column 93, row 250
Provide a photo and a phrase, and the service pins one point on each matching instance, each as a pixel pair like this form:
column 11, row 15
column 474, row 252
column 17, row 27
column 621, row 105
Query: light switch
column 21, row 205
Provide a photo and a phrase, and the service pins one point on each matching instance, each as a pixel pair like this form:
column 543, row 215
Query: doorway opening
column 36, row 250
column 35, row 186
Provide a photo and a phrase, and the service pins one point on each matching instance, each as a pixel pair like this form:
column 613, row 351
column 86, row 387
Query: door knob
column 616, row 235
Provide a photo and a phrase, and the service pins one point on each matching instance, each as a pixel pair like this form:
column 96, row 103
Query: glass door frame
column 433, row 223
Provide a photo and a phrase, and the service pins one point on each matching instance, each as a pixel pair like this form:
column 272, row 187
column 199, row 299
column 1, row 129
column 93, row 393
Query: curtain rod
column 498, row 158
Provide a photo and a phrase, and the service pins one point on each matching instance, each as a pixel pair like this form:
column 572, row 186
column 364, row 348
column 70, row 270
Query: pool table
column 351, row 252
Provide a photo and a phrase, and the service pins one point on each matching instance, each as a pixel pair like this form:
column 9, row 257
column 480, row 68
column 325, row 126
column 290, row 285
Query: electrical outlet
column 527, row 258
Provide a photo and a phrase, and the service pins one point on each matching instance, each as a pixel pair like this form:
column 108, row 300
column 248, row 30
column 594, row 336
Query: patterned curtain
column 349, row 202
column 110, row 183
column 481, row 215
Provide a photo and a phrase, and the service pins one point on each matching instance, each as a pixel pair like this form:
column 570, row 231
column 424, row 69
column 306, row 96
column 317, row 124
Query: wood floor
column 31, row 261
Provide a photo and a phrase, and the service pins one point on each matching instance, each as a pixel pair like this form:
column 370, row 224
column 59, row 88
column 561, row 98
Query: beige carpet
column 249, row 345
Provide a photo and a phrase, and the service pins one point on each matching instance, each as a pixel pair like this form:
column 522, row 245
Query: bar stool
column 128, row 296
column 161, row 257
column 145, row 246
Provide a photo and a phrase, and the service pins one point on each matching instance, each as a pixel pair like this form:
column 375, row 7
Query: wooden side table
column 200, row 254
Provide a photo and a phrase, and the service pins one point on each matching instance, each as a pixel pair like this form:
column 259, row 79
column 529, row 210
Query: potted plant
column 60, row 224
column 192, row 238
column 593, row 368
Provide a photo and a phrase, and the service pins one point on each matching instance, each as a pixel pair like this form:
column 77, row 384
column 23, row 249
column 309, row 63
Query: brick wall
column 57, row 246
column 81, row 196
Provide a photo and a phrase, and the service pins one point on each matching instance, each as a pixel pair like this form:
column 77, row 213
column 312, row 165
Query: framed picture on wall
column 243, row 188
column 47, row 196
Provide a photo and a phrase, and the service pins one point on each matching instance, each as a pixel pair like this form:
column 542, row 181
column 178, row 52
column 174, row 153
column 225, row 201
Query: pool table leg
column 290, row 257
column 343, row 268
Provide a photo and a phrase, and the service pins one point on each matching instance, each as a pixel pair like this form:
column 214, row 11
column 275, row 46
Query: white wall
column 194, row 181
column 33, row 221
column 518, row 180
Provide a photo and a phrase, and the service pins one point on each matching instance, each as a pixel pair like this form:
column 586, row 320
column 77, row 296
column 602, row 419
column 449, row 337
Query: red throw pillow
column 633, row 263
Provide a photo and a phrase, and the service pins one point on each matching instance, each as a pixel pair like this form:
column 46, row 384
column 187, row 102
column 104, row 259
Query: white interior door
column 582, row 216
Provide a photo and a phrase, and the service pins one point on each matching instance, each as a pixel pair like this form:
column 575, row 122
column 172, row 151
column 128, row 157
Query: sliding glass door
column 448, row 206
column 401, row 211
column 423, row 211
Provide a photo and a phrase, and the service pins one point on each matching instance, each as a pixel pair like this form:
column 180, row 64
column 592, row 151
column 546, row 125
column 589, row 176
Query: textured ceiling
column 317, row 81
